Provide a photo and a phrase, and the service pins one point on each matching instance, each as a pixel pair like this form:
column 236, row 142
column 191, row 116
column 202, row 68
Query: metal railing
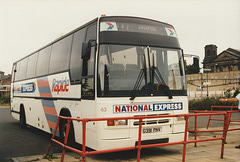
column 139, row 146
column 226, row 108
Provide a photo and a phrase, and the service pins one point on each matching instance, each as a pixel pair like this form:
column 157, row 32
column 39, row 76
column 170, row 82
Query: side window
column 13, row 72
column 17, row 71
column 60, row 55
column 91, row 35
column 88, row 66
column 76, row 61
column 23, row 69
column 91, row 32
column 31, row 69
column 43, row 61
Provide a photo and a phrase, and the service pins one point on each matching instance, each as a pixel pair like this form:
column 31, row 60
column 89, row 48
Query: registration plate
column 152, row 130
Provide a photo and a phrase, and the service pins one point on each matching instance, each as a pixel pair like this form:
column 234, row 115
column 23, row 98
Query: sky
column 27, row 25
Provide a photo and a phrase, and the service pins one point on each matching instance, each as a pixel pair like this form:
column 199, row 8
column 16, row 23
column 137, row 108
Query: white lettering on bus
column 27, row 88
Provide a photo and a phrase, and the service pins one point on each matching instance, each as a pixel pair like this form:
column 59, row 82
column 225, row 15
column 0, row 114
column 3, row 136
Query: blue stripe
column 48, row 103
column 42, row 79
column 44, row 89
column 52, row 118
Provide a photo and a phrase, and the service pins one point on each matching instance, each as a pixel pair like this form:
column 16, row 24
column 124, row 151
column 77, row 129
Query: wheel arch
column 65, row 112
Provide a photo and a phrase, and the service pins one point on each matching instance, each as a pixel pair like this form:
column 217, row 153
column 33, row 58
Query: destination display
column 139, row 28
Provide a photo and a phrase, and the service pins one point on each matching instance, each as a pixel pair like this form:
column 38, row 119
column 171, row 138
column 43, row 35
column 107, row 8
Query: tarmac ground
column 209, row 151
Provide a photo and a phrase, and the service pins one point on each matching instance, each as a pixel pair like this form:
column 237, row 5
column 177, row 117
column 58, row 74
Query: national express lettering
column 147, row 108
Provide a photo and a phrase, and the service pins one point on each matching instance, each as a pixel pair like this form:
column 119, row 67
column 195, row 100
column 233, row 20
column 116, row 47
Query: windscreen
column 126, row 70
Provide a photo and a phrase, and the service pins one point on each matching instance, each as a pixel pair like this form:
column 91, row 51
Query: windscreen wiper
column 141, row 76
column 156, row 73
column 159, row 78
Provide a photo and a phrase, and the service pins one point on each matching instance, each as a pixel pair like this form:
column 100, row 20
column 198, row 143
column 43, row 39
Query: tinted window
column 60, row 55
column 91, row 33
column 17, row 71
column 88, row 66
column 43, row 61
column 76, row 61
column 23, row 69
column 31, row 69
column 13, row 72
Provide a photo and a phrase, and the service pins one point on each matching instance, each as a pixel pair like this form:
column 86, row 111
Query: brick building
column 227, row 60
column 5, row 82
column 223, row 72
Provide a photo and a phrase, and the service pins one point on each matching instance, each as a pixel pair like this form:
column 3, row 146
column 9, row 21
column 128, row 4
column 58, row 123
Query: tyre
column 22, row 118
column 63, row 128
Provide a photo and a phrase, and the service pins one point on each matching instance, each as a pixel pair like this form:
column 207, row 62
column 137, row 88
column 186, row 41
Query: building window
column 220, row 69
column 230, row 68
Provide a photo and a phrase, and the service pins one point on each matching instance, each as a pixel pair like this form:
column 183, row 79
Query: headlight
column 117, row 122
column 180, row 118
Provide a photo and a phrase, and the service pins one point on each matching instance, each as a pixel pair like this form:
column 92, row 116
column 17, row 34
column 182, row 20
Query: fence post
column 139, row 139
column 225, row 127
column 210, row 117
column 54, row 133
column 195, row 131
column 230, row 116
column 66, row 139
column 84, row 122
column 185, row 138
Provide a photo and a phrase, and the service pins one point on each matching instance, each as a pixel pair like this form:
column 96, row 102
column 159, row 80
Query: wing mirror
column 86, row 49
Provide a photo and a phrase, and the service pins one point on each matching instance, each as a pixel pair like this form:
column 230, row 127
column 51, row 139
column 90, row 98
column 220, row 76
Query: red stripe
column 52, row 125
column 45, row 95
column 43, row 83
column 50, row 110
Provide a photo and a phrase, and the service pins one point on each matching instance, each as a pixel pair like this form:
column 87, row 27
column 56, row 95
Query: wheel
column 63, row 128
column 22, row 118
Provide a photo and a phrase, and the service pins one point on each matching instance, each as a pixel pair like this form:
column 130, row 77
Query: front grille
column 152, row 121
